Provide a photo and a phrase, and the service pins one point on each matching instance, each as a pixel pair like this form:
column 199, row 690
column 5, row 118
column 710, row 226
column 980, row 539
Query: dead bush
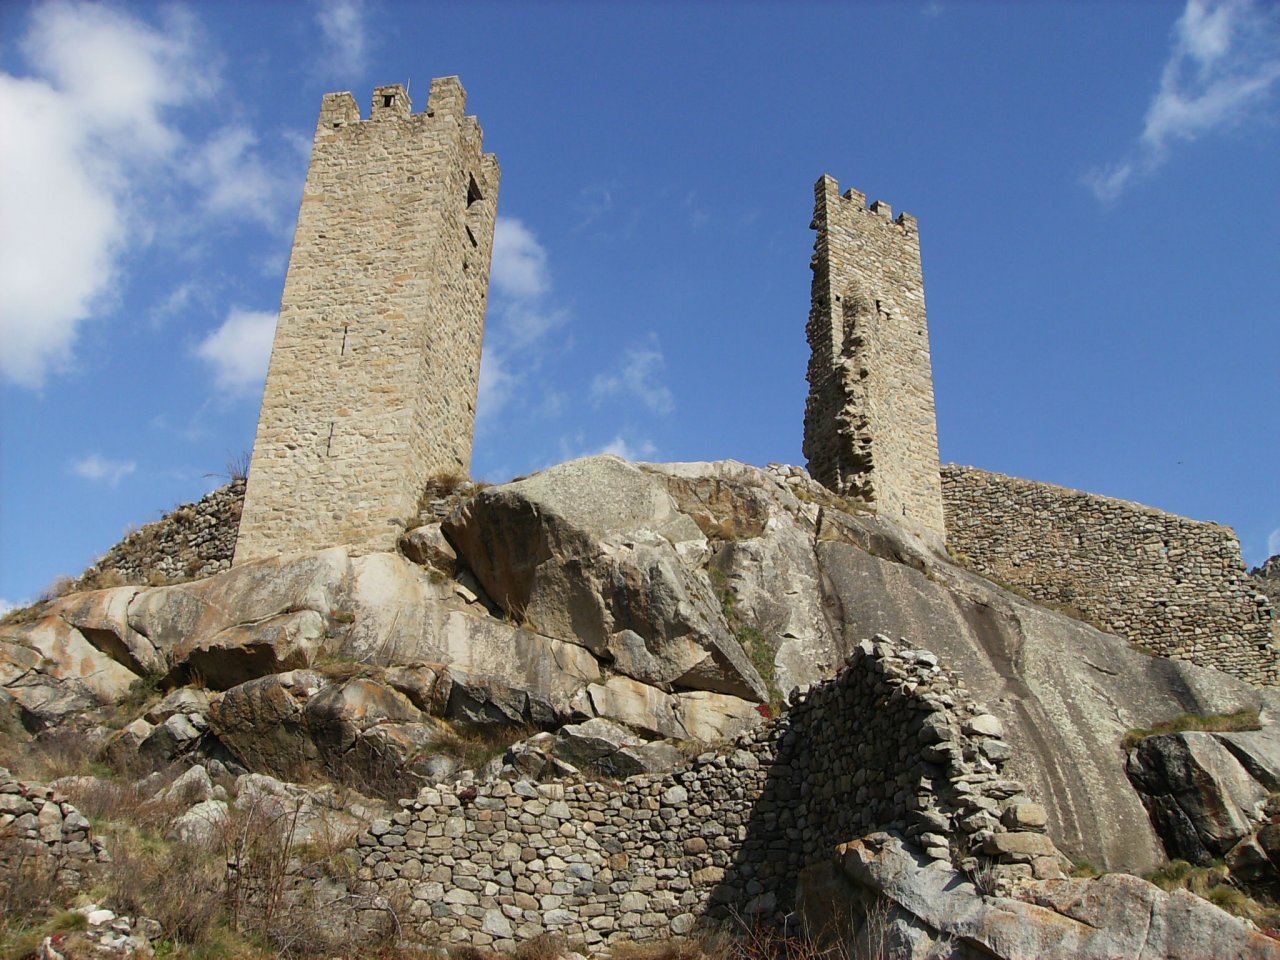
column 176, row 883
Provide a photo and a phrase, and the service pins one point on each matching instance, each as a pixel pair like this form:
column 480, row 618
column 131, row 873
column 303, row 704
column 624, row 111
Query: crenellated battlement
column 447, row 99
column 856, row 201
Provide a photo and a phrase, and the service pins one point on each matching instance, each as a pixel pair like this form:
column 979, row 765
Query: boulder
column 201, row 825
column 427, row 546
column 304, row 815
column 192, row 787
column 595, row 547
column 636, row 704
column 609, row 749
column 171, row 617
column 188, row 700
column 886, row 899
column 102, row 617
column 1201, row 798
column 264, row 724
column 715, row 717
column 177, row 736
column 51, row 671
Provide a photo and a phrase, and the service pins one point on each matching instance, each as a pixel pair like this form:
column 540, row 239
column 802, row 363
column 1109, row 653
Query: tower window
column 473, row 191
column 388, row 99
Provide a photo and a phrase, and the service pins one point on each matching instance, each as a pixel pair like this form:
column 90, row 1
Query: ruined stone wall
column 870, row 431
column 195, row 540
column 1176, row 586
column 891, row 743
column 376, row 361
column 40, row 831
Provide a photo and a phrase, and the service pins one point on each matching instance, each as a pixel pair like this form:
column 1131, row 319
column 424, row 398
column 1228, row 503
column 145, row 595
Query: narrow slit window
column 473, row 191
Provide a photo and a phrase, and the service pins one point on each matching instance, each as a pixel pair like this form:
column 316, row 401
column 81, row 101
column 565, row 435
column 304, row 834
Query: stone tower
column 870, row 431
column 376, row 361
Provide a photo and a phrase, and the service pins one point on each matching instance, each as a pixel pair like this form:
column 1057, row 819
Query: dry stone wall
column 1176, row 586
column 195, row 540
column 376, row 361
column 41, row 832
column 870, row 431
column 891, row 743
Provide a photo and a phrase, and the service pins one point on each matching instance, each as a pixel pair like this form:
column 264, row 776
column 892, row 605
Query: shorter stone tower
column 376, row 361
column 870, row 431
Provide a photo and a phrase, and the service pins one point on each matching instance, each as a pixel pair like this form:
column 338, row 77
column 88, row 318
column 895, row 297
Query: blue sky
column 1096, row 186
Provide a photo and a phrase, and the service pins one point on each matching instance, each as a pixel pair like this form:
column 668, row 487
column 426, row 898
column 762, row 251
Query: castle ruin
column 376, row 362
column 1175, row 586
column 375, row 369
column 870, row 431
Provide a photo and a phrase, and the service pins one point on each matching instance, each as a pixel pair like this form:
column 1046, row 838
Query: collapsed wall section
column 891, row 743
column 192, row 541
column 870, row 429
column 376, row 361
column 1177, row 587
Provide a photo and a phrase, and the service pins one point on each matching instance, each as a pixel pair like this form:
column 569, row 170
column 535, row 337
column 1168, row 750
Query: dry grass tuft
column 1246, row 719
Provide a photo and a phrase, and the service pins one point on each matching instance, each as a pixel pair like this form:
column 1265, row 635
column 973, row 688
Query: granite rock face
column 883, row 899
column 596, row 550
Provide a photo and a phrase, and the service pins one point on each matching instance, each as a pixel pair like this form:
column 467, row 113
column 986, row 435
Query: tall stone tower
column 870, row 432
column 376, row 361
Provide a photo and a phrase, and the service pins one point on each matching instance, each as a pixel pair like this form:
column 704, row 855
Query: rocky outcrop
column 53, row 672
column 667, row 599
column 884, row 899
column 597, row 551
column 1266, row 579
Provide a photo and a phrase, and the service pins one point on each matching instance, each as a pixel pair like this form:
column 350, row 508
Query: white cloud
column 110, row 472
column 621, row 448
column 346, row 43
column 522, row 315
column 73, row 141
column 519, row 261
column 240, row 350
column 237, row 183
column 1224, row 66
column 496, row 383
column 638, row 376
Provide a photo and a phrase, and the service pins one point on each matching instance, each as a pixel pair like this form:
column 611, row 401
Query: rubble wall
column 195, row 540
column 891, row 743
column 36, row 825
column 1177, row 587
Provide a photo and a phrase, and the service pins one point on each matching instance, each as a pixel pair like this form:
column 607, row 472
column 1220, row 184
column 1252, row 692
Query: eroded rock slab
column 594, row 547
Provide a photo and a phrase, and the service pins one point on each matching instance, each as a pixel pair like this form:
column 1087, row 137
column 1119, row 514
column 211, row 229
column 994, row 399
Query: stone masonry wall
column 195, row 540
column 1176, row 586
column 45, row 833
column 376, row 361
column 891, row 743
column 870, row 430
